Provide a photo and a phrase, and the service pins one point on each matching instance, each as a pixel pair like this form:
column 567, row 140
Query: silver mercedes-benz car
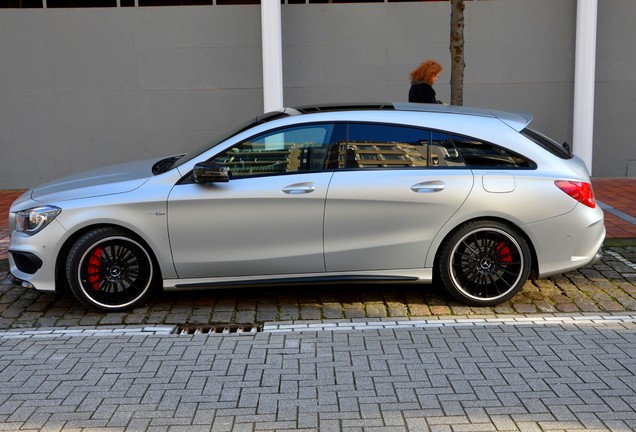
column 468, row 198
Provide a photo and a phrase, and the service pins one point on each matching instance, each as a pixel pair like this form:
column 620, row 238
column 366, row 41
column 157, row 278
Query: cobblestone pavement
column 526, row 374
column 608, row 286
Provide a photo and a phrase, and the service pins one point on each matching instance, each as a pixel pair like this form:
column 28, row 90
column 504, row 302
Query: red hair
column 426, row 71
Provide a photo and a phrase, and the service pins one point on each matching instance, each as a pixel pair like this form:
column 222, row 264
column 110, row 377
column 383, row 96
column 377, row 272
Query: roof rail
column 307, row 109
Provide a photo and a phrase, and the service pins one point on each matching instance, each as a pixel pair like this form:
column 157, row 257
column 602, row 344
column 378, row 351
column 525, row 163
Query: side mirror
column 210, row 172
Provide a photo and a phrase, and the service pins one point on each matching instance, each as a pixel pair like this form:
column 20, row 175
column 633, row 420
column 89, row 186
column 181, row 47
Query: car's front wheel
column 108, row 269
column 484, row 263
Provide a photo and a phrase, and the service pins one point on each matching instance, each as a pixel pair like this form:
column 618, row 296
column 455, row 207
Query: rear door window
column 383, row 146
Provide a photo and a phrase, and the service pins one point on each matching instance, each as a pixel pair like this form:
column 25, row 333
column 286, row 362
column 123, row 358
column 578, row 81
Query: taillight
column 580, row 191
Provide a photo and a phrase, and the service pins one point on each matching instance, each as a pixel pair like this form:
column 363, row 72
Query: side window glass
column 291, row 150
column 383, row 146
column 444, row 153
column 476, row 153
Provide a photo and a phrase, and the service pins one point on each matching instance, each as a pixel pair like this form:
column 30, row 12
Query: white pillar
column 272, row 41
column 584, row 80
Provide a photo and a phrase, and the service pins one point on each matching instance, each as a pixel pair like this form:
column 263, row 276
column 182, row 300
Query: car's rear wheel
column 110, row 270
column 484, row 263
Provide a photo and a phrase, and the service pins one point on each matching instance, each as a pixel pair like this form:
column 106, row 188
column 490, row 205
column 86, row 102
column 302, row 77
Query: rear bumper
column 568, row 242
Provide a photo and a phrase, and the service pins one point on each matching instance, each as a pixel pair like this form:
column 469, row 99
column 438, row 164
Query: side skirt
column 423, row 276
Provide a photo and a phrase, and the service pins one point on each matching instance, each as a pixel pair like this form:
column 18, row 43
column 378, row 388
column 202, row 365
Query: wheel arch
column 534, row 263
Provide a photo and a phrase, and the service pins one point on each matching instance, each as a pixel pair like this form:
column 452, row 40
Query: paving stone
column 332, row 311
column 440, row 310
column 419, row 310
column 463, row 398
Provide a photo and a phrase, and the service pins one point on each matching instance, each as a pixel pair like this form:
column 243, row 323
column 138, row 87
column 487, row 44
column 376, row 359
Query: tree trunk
column 457, row 52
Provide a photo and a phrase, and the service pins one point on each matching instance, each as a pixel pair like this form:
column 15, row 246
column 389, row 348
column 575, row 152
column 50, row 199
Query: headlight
column 34, row 220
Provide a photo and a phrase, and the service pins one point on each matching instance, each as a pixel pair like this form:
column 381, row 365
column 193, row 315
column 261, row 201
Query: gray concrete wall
column 81, row 88
column 615, row 103
column 519, row 55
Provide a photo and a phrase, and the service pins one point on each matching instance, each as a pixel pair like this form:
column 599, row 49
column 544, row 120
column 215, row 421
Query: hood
column 109, row 180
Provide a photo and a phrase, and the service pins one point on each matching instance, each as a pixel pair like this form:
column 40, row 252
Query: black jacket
column 422, row 92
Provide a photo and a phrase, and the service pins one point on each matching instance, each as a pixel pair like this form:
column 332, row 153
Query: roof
column 516, row 120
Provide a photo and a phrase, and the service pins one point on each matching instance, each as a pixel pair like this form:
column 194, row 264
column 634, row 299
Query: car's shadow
column 305, row 302
column 25, row 307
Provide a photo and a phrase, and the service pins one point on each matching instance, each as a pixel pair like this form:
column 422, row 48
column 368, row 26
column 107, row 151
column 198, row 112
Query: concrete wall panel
column 80, row 88
column 615, row 100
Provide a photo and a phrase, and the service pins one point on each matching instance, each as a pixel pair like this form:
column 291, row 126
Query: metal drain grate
column 190, row 329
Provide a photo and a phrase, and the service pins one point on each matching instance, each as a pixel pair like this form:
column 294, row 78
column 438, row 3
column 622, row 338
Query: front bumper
column 32, row 259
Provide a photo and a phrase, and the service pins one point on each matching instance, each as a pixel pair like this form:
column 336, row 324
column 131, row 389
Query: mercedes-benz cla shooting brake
column 467, row 198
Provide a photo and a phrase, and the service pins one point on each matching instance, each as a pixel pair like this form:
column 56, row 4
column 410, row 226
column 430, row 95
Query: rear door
column 396, row 187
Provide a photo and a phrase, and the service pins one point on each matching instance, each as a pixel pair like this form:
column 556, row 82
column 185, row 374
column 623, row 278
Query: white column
column 584, row 80
column 272, row 40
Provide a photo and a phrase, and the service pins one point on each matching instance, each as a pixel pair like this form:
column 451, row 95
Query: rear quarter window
column 476, row 153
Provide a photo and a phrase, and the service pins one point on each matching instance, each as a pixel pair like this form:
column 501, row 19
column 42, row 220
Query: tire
column 109, row 270
column 484, row 263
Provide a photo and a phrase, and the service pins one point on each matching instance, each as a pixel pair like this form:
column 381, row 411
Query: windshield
column 177, row 161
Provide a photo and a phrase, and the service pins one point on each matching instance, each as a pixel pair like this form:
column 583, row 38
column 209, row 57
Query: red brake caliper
column 94, row 265
column 504, row 253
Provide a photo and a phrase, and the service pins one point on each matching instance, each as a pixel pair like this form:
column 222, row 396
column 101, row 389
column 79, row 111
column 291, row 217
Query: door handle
column 428, row 187
column 299, row 188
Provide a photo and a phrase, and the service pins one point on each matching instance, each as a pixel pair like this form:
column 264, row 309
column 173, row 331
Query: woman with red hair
column 422, row 80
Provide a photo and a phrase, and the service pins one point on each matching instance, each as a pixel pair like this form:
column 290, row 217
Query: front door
column 267, row 220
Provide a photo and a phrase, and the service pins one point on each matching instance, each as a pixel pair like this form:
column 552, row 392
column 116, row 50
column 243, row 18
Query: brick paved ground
column 616, row 196
column 531, row 376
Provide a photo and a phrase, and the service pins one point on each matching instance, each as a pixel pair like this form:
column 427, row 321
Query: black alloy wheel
column 484, row 263
column 109, row 270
